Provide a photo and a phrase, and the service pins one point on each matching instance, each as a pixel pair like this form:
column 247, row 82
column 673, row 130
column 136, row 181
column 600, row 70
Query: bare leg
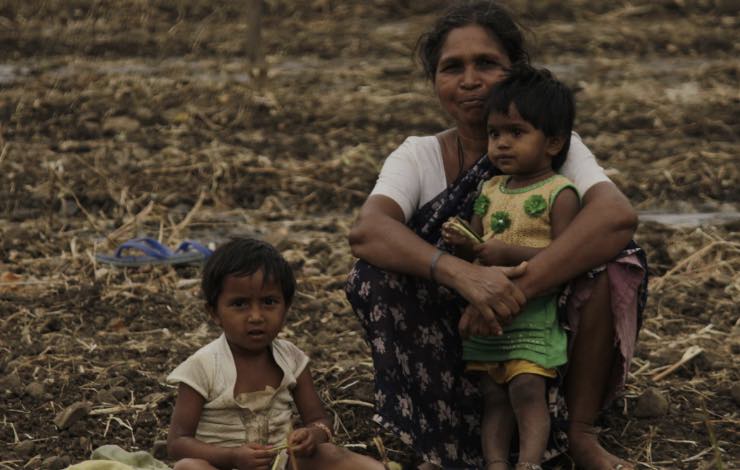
column 586, row 382
column 497, row 426
column 427, row 466
column 527, row 396
column 193, row 464
column 331, row 457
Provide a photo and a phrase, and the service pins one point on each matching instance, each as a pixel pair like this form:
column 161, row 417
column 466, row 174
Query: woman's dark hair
column 540, row 99
column 486, row 14
column 244, row 257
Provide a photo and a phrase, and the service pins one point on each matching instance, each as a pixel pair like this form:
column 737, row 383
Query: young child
column 530, row 118
column 235, row 396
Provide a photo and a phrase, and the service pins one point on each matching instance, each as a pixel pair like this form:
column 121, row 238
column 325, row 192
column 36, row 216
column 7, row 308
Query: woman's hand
column 302, row 442
column 491, row 294
column 253, row 457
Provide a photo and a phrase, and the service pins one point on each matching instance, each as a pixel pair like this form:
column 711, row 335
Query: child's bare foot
column 587, row 452
column 428, row 466
column 497, row 465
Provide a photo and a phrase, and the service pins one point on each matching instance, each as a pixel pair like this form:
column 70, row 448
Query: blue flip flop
column 154, row 253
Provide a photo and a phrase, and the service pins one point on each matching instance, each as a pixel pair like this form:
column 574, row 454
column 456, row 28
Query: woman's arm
column 380, row 237
column 602, row 228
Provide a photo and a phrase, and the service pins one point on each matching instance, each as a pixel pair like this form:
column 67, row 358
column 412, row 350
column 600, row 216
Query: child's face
column 516, row 147
column 251, row 311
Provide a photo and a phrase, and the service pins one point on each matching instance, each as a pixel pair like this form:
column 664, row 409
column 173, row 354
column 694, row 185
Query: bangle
column 433, row 264
column 324, row 428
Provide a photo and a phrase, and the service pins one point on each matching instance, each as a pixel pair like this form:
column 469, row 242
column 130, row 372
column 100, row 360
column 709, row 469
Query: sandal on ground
column 149, row 251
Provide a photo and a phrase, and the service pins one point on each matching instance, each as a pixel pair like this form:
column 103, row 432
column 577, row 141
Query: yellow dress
column 522, row 217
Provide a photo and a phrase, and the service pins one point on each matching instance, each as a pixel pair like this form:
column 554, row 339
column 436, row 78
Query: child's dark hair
column 244, row 257
column 540, row 99
column 487, row 14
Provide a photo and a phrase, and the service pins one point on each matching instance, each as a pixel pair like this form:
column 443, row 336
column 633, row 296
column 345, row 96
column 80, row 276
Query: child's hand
column 452, row 236
column 491, row 253
column 473, row 323
column 253, row 457
column 302, row 442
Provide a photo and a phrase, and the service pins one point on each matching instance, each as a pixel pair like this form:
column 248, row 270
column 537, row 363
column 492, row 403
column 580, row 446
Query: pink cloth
column 625, row 275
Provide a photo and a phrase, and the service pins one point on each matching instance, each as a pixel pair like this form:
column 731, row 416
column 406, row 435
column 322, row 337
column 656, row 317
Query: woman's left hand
column 302, row 442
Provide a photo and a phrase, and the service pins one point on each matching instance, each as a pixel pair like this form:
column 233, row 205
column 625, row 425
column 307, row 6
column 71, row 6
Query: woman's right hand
column 491, row 294
column 253, row 457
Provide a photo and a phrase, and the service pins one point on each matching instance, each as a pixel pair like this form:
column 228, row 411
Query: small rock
column 105, row 396
column 25, row 448
column 74, row 146
column 159, row 450
column 735, row 392
column 35, row 390
column 72, row 414
column 121, row 393
column 53, row 463
column 651, row 404
column 120, row 124
column 11, row 382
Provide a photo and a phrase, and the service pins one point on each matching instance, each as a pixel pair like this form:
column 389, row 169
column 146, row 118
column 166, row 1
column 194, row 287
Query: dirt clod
column 35, row 390
column 652, row 403
column 25, row 448
column 735, row 393
column 72, row 414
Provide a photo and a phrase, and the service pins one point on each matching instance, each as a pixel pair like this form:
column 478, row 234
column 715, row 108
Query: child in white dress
column 236, row 394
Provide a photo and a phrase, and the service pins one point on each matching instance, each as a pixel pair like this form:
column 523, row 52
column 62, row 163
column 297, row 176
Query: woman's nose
column 470, row 78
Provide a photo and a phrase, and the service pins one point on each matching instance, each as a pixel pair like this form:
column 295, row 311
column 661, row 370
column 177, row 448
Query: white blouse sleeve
column 413, row 174
column 581, row 166
column 194, row 373
column 399, row 179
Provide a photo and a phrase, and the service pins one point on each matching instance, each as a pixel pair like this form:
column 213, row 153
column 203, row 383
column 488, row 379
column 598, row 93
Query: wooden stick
column 688, row 355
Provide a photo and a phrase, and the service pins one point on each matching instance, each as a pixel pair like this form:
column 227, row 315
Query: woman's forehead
column 471, row 39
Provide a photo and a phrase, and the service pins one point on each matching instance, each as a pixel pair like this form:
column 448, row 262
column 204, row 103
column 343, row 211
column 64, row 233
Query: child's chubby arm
column 303, row 441
column 497, row 253
column 464, row 246
column 181, row 441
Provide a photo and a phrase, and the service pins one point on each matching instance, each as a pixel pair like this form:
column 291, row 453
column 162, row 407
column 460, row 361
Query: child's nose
column 255, row 315
column 504, row 140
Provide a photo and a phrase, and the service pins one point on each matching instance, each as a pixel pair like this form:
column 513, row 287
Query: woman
column 409, row 294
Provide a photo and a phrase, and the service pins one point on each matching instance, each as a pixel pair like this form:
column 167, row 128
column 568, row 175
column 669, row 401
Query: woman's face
column 470, row 63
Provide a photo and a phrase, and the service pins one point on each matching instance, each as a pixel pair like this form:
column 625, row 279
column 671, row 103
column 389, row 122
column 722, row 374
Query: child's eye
column 270, row 301
column 493, row 133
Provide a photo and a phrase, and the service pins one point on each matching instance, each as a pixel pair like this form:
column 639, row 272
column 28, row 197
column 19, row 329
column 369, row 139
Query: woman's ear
column 554, row 144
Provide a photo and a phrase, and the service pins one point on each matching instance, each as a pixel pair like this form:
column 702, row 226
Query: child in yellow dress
column 530, row 119
column 236, row 394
